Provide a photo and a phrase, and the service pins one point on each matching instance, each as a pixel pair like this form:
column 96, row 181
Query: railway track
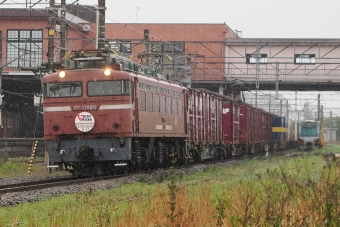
column 34, row 185
column 50, row 183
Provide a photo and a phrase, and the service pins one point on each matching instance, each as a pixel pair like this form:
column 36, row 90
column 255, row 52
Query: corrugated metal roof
column 87, row 13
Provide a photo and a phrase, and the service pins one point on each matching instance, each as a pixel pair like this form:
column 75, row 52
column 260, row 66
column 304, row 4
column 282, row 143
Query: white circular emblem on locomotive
column 84, row 121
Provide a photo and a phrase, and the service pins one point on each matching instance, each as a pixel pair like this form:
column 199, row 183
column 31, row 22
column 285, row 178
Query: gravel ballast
column 15, row 198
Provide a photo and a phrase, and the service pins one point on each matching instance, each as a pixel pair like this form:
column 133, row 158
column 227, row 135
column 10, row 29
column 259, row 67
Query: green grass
column 77, row 203
column 18, row 167
column 279, row 191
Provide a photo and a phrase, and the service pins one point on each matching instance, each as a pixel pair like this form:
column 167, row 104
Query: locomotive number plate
column 85, row 107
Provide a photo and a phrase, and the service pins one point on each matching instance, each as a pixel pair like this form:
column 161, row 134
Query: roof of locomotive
column 81, row 74
column 106, row 59
column 117, row 69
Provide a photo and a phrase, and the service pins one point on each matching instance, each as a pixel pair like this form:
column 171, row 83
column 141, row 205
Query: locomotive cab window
column 108, row 87
column 58, row 90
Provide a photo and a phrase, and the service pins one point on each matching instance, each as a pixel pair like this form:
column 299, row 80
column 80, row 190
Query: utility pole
column 269, row 102
column 188, row 70
column 258, row 57
column 173, row 62
column 0, row 52
column 101, row 25
column 256, row 99
column 0, row 71
column 295, row 100
column 318, row 115
column 51, row 36
column 277, row 81
column 62, row 32
column 287, row 110
column 146, row 46
column 330, row 127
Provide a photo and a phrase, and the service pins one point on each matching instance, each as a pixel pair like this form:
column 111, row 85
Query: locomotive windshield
column 108, row 87
column 57, row 90
column 309, row 129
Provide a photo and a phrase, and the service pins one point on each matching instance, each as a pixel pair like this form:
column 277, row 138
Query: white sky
column 255, row 18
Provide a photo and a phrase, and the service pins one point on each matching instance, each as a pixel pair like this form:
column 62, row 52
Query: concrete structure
column 330, row 135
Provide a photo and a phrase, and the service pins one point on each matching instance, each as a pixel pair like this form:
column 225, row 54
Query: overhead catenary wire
column 211, row 65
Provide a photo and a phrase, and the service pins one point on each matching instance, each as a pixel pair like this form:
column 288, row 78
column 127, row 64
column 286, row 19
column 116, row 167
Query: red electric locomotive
column 101, row 115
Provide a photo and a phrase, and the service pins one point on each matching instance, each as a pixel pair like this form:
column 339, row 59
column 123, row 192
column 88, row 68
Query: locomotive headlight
column 62, row 74
column 107, row 72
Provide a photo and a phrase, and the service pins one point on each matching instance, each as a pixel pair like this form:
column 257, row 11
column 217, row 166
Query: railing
column 295, row 75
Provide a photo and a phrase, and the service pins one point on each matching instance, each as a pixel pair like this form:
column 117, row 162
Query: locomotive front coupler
column 122, row 141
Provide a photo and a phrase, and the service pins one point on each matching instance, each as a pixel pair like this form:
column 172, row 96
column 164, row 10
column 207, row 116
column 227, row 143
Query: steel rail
column 68, row 181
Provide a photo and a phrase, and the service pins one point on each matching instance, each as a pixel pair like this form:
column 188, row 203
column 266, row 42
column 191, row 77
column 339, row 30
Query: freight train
column 103, row 114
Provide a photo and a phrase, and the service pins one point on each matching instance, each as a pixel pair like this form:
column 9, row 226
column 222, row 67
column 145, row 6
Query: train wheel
column 266, row 148
column 196, row 156
column 230, row 153
column 227, row 155
column 243, row 150
column 111, row 170
column 248, row 150
column 216, row 155
column 126, row 169
column 77, row 173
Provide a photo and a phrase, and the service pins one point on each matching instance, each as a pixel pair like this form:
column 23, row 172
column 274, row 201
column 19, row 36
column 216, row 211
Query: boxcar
column 279, row 132
column 255, row 129
column 205, row 122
